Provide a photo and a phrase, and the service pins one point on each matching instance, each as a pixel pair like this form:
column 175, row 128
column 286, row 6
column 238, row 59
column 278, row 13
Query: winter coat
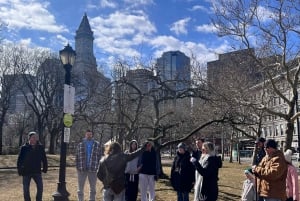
column 148, row 163
column 112, row 167
column 30, row 159
column 259, row 156
column 271, row 173
column 182, row 173
column 206, row 185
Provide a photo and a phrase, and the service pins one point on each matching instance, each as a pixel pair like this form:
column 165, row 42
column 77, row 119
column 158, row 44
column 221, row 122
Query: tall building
column 85, row 59
column 87, row 78
column 141, row 78
column 174, row 67
column 228, row 65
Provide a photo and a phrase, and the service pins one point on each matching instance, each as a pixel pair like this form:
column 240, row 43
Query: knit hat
column 271, row 143
column 260, row 139
column 31, row 134
column 248, row 171
column 181, row 145
column 288, row 155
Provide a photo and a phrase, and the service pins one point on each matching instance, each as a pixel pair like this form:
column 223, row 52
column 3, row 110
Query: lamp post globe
column 67, row 57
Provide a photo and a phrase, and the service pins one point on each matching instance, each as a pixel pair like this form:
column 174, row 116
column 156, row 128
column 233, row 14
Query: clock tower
column 85, row 59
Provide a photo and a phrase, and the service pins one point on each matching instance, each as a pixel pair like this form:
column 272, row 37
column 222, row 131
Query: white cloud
column 206, row 28
column 31, row 15
column 201, row 51
column 107, row 4
column 201, row 8
column 179, row 27
column 62, row 40
column 265, row 14
column 136, row 3
column 120, row 33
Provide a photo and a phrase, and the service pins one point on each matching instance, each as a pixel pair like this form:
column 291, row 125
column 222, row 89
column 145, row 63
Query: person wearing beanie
column 271, row 173
column 182, row 173
column 30, row 158
column 249, row 192
column 292, row 186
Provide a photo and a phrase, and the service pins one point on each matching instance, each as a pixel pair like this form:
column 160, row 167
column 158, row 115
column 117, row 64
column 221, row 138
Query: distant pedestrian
column 271, row 174
column 258, row 156
column 198, row 151
column 207, row 169
column 249, row 189
column 88, row 154
column 292, row 184
column 182, row 173
column 132, row 174
column 111, row 171
column 148, row 173
column 260, row 153
column 30, row 158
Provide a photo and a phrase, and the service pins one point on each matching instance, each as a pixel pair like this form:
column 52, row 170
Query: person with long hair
column 111, row 171
column 207, row 170
column 132, row 174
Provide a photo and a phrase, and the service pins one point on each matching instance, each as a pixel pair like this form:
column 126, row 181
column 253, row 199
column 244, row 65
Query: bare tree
column 8, row 79
column 42, row 75
column 272, row 28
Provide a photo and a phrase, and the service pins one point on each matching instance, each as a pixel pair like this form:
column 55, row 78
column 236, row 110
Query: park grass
column 231, row 176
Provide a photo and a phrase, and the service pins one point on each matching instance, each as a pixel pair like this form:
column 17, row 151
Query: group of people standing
column 124, row 173
column 272, row 176
column 198, row 170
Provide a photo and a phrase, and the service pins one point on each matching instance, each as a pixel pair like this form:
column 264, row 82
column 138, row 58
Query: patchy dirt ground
column 230, row 183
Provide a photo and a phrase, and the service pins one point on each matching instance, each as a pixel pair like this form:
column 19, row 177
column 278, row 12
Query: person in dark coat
column 31, row 157
column 182, row 173
column 207, row 169
column 260, row 150
column 111, row 171
column 148, row 174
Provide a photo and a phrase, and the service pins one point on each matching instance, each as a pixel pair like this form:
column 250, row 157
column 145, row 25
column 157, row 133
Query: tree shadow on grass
column 228, row 196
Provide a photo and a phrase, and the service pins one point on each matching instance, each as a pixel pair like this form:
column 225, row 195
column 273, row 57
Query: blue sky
column 123, row 29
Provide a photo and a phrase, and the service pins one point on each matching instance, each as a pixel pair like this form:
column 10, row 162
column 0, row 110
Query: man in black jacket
column 30, row 158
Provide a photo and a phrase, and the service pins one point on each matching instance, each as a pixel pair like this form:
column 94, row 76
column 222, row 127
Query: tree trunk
column 289, row 135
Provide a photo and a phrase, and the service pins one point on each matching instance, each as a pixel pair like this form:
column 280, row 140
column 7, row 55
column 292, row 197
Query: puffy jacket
column 272, row 173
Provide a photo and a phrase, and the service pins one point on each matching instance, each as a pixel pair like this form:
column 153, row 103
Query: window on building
column 281, row 129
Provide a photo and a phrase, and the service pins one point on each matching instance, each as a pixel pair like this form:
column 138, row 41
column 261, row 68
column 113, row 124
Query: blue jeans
column 109, row 195
column 37, row 178
column 182, row 196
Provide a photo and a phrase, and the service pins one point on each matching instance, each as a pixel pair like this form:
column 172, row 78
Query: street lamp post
column 67, row 57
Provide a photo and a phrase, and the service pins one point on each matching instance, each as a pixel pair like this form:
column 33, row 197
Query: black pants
column 131, row 187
